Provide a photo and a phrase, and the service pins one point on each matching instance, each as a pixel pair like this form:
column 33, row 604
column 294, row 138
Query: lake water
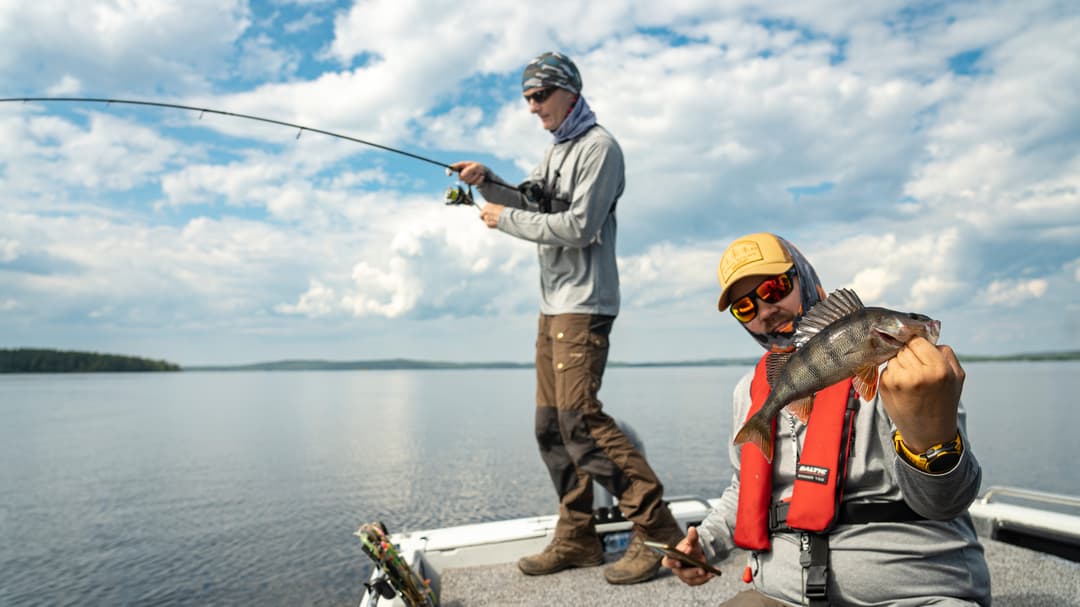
column 245, row 488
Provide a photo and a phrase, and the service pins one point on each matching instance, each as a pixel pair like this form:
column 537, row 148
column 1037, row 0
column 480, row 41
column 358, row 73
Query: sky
column 926, row 155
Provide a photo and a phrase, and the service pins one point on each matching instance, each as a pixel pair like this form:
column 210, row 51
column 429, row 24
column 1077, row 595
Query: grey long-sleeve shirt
column 576, row 247
column 902, row 564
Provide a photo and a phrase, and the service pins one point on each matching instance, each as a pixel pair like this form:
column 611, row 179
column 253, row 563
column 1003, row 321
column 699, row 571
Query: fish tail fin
column 801, row 408
column 758, row 431
column 866, row 381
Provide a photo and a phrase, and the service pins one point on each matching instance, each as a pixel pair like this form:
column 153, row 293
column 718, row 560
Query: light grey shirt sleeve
column 939, row 496
column 716, row 532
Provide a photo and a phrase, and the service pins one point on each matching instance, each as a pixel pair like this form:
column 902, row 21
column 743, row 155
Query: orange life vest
column 820, row 473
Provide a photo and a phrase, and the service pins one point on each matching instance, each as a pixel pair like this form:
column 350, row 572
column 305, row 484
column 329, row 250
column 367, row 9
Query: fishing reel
column 539, row 194
column 457, row 195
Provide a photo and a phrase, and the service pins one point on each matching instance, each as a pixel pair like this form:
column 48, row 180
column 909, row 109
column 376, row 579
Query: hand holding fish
column 920, row 390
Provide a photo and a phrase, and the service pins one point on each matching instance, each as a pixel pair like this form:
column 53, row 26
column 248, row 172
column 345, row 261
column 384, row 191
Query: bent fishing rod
column 455, row 195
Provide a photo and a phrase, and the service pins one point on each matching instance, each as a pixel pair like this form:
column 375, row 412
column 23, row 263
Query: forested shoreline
column 33, row 360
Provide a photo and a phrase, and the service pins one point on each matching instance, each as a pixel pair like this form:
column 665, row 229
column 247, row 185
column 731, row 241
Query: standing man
column 885, row 525
column 567, row 207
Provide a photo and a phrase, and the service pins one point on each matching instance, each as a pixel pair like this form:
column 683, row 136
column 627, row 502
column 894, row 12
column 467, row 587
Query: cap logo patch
column 738, row 255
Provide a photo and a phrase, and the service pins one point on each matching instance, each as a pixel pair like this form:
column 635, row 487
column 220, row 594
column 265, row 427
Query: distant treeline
column 27, row 360
column 410, row 364
column 395, row 364
column 1035, row 356
column 392, row 364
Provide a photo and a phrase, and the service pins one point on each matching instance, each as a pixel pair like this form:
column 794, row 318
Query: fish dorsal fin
column 839, row 303
column 773, row 364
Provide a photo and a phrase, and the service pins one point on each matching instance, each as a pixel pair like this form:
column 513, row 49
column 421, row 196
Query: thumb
column 691, row 535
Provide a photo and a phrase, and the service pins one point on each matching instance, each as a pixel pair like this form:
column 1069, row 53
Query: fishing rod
column 455, row 195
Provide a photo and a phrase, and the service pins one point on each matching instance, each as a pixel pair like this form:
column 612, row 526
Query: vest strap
column 815, row 562
column 819, row 478
column 755, row 477
column 851, row 513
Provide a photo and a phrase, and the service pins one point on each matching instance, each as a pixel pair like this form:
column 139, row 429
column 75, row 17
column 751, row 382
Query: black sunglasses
column 541, row 95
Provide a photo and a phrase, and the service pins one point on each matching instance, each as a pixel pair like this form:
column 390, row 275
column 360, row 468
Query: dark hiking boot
column 564, row 553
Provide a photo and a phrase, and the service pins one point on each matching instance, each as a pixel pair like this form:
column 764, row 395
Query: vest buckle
column 778, row 516
column 816, row 576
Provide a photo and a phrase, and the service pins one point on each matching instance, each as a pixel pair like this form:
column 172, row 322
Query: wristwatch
column 938, row 459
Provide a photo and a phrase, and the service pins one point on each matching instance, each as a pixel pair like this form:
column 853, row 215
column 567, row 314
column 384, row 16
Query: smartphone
column 682, row 557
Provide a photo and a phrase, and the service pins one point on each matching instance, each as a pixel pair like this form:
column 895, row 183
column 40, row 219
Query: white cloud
column 260, row 59
column 317, row 301
column 871, row 283
column 390, row 293
column 913, row 272
column 118, row 45
column 1014, row 293
column 9, row 250
column 67, row 85
column 46, row 154
column 303, row 24
column 240, row 183
column 669, row 275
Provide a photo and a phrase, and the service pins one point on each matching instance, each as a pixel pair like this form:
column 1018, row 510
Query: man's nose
column 766, row 310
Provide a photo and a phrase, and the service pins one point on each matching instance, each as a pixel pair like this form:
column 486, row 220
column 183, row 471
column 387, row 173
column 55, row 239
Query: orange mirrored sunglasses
column 771, row 290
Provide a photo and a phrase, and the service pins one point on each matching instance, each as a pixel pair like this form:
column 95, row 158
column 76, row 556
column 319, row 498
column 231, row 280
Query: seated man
column 893, row 530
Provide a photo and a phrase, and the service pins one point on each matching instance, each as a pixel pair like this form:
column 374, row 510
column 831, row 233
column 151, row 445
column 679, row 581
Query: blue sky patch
column 966, row 63
column 799, row 191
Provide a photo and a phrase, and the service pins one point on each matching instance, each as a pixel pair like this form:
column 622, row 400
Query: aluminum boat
column 1032, row 543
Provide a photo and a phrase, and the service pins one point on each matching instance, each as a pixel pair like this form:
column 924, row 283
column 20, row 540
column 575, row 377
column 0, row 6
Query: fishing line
column 455, row 195
column 203, row 110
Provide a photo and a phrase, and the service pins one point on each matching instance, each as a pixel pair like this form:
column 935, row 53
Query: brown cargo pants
column 579, row 442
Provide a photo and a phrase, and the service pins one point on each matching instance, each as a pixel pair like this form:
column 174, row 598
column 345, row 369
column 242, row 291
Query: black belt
column 851, row 513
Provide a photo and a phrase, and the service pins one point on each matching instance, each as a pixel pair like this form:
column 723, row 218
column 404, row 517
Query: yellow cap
column 758, row 254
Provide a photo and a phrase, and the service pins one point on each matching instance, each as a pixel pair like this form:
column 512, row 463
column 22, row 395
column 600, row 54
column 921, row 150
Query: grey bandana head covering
column 810, row 293
column 551, row 69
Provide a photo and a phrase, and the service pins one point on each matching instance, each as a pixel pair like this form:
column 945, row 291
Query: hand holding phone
column 682, row 557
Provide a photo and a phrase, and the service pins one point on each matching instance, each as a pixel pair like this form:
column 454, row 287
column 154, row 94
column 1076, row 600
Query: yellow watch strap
column 925, row 461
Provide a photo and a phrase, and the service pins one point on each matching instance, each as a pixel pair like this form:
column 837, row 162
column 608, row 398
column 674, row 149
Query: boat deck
column 475, row 565
column 1020, row 578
